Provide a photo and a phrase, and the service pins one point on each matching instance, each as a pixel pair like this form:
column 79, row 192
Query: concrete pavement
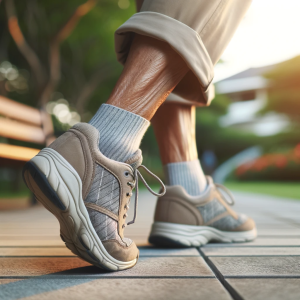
column 34, row 263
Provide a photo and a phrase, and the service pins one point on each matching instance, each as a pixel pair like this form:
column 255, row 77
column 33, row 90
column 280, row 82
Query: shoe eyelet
column 123, row 226
column 124, row 216
column 127, row 194
column 126, row 173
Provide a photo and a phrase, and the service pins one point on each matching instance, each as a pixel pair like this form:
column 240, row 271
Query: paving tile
column 31, row 243
column 168, row 266
column 6, row 281
column 36, row 285
column 258, row 266
column 31, row 237
column 152, row 251
column 73, row 266
column 7, row 231
column 275, row 226
column 146, row 289
column 30, row 224
column 54, row 242
column 279, row 232
column 263, row 288
column 32, row 266
column 262, row 241
column 63, row 251
column 251, row 251
column 31, row 251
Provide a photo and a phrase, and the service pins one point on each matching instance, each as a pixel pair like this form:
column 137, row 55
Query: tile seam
column 231, row 291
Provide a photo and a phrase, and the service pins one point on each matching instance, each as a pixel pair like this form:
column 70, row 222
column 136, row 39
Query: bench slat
column 17, row 152
column 19, row 111
column 20, row 131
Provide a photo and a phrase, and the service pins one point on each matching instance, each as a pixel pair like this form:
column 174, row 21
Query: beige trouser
column 199, row 30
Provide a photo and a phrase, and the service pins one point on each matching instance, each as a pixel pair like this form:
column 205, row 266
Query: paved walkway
column 34, row 262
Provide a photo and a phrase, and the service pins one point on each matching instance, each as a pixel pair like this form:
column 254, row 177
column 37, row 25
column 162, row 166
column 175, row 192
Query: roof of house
column 247, row 80
column 252, row 72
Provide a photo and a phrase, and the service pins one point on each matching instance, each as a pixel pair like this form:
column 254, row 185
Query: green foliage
column 284, row 91
column 280, row 189
column 225, row 142
column 84, row 53
column 285, row 101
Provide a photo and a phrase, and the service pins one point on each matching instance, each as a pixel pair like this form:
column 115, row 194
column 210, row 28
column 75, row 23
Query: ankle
column 187, row 174
column 121, row 131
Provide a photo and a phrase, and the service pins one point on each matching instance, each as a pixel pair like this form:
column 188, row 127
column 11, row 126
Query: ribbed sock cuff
column 121, row 131
column 188, row 174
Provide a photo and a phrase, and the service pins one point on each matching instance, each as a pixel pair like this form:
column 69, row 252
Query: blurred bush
column 283, row 166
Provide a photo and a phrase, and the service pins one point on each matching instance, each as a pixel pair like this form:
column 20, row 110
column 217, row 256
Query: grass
column 13, row 194
column 279, row 189
column 14, row 199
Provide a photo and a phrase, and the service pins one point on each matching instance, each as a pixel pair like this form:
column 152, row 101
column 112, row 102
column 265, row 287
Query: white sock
column 188, row 174
column 121, row 131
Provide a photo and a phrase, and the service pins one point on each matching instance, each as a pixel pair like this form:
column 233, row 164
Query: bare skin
column 174, row 127
column 174, row 124
column 148, row 77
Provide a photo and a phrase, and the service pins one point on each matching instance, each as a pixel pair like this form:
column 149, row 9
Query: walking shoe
column 184, row 220
column 89, row 195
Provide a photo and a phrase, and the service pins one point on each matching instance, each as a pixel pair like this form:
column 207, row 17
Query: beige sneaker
column 89, row 195
column 184, row 220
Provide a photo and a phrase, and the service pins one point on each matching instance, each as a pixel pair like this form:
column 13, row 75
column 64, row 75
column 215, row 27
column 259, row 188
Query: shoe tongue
column 135, row 160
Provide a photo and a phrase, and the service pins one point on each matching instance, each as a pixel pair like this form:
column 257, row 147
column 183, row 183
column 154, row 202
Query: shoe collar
column 179, row 191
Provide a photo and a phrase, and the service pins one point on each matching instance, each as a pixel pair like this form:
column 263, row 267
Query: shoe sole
column 170, row 235
column 57, row 185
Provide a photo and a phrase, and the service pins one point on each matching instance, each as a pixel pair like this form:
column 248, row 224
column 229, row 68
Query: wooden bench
column 23, row 123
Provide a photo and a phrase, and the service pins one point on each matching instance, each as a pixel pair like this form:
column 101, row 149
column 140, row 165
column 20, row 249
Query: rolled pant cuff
column 183, row 39
column 174, row 98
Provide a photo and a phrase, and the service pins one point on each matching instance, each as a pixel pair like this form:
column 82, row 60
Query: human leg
column 198, row 31
column 194, row 209
column 148, row 77
column 174, row 127
column 213, row 23
column 82, row 178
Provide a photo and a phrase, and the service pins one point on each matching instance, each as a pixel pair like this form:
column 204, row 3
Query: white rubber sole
column 171, row 234
column 57, row 185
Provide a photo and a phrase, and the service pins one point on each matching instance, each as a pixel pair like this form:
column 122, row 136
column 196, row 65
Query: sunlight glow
column 268, row 34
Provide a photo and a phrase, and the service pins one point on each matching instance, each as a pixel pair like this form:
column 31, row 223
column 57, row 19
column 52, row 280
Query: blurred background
column 57, row 65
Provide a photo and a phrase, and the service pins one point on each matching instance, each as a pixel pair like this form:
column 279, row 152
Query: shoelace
column 135, row 185
column 226, row 190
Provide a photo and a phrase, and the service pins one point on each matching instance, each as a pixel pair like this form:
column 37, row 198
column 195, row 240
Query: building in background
column 248, row 91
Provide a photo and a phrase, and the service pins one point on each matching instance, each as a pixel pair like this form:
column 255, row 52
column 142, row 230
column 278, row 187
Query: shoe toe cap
column 121, row 252
column 248, row 225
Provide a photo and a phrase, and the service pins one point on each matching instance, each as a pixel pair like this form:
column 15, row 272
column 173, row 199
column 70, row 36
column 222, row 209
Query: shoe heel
column 179, row 235
column 48, row 177
column 32, row 174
